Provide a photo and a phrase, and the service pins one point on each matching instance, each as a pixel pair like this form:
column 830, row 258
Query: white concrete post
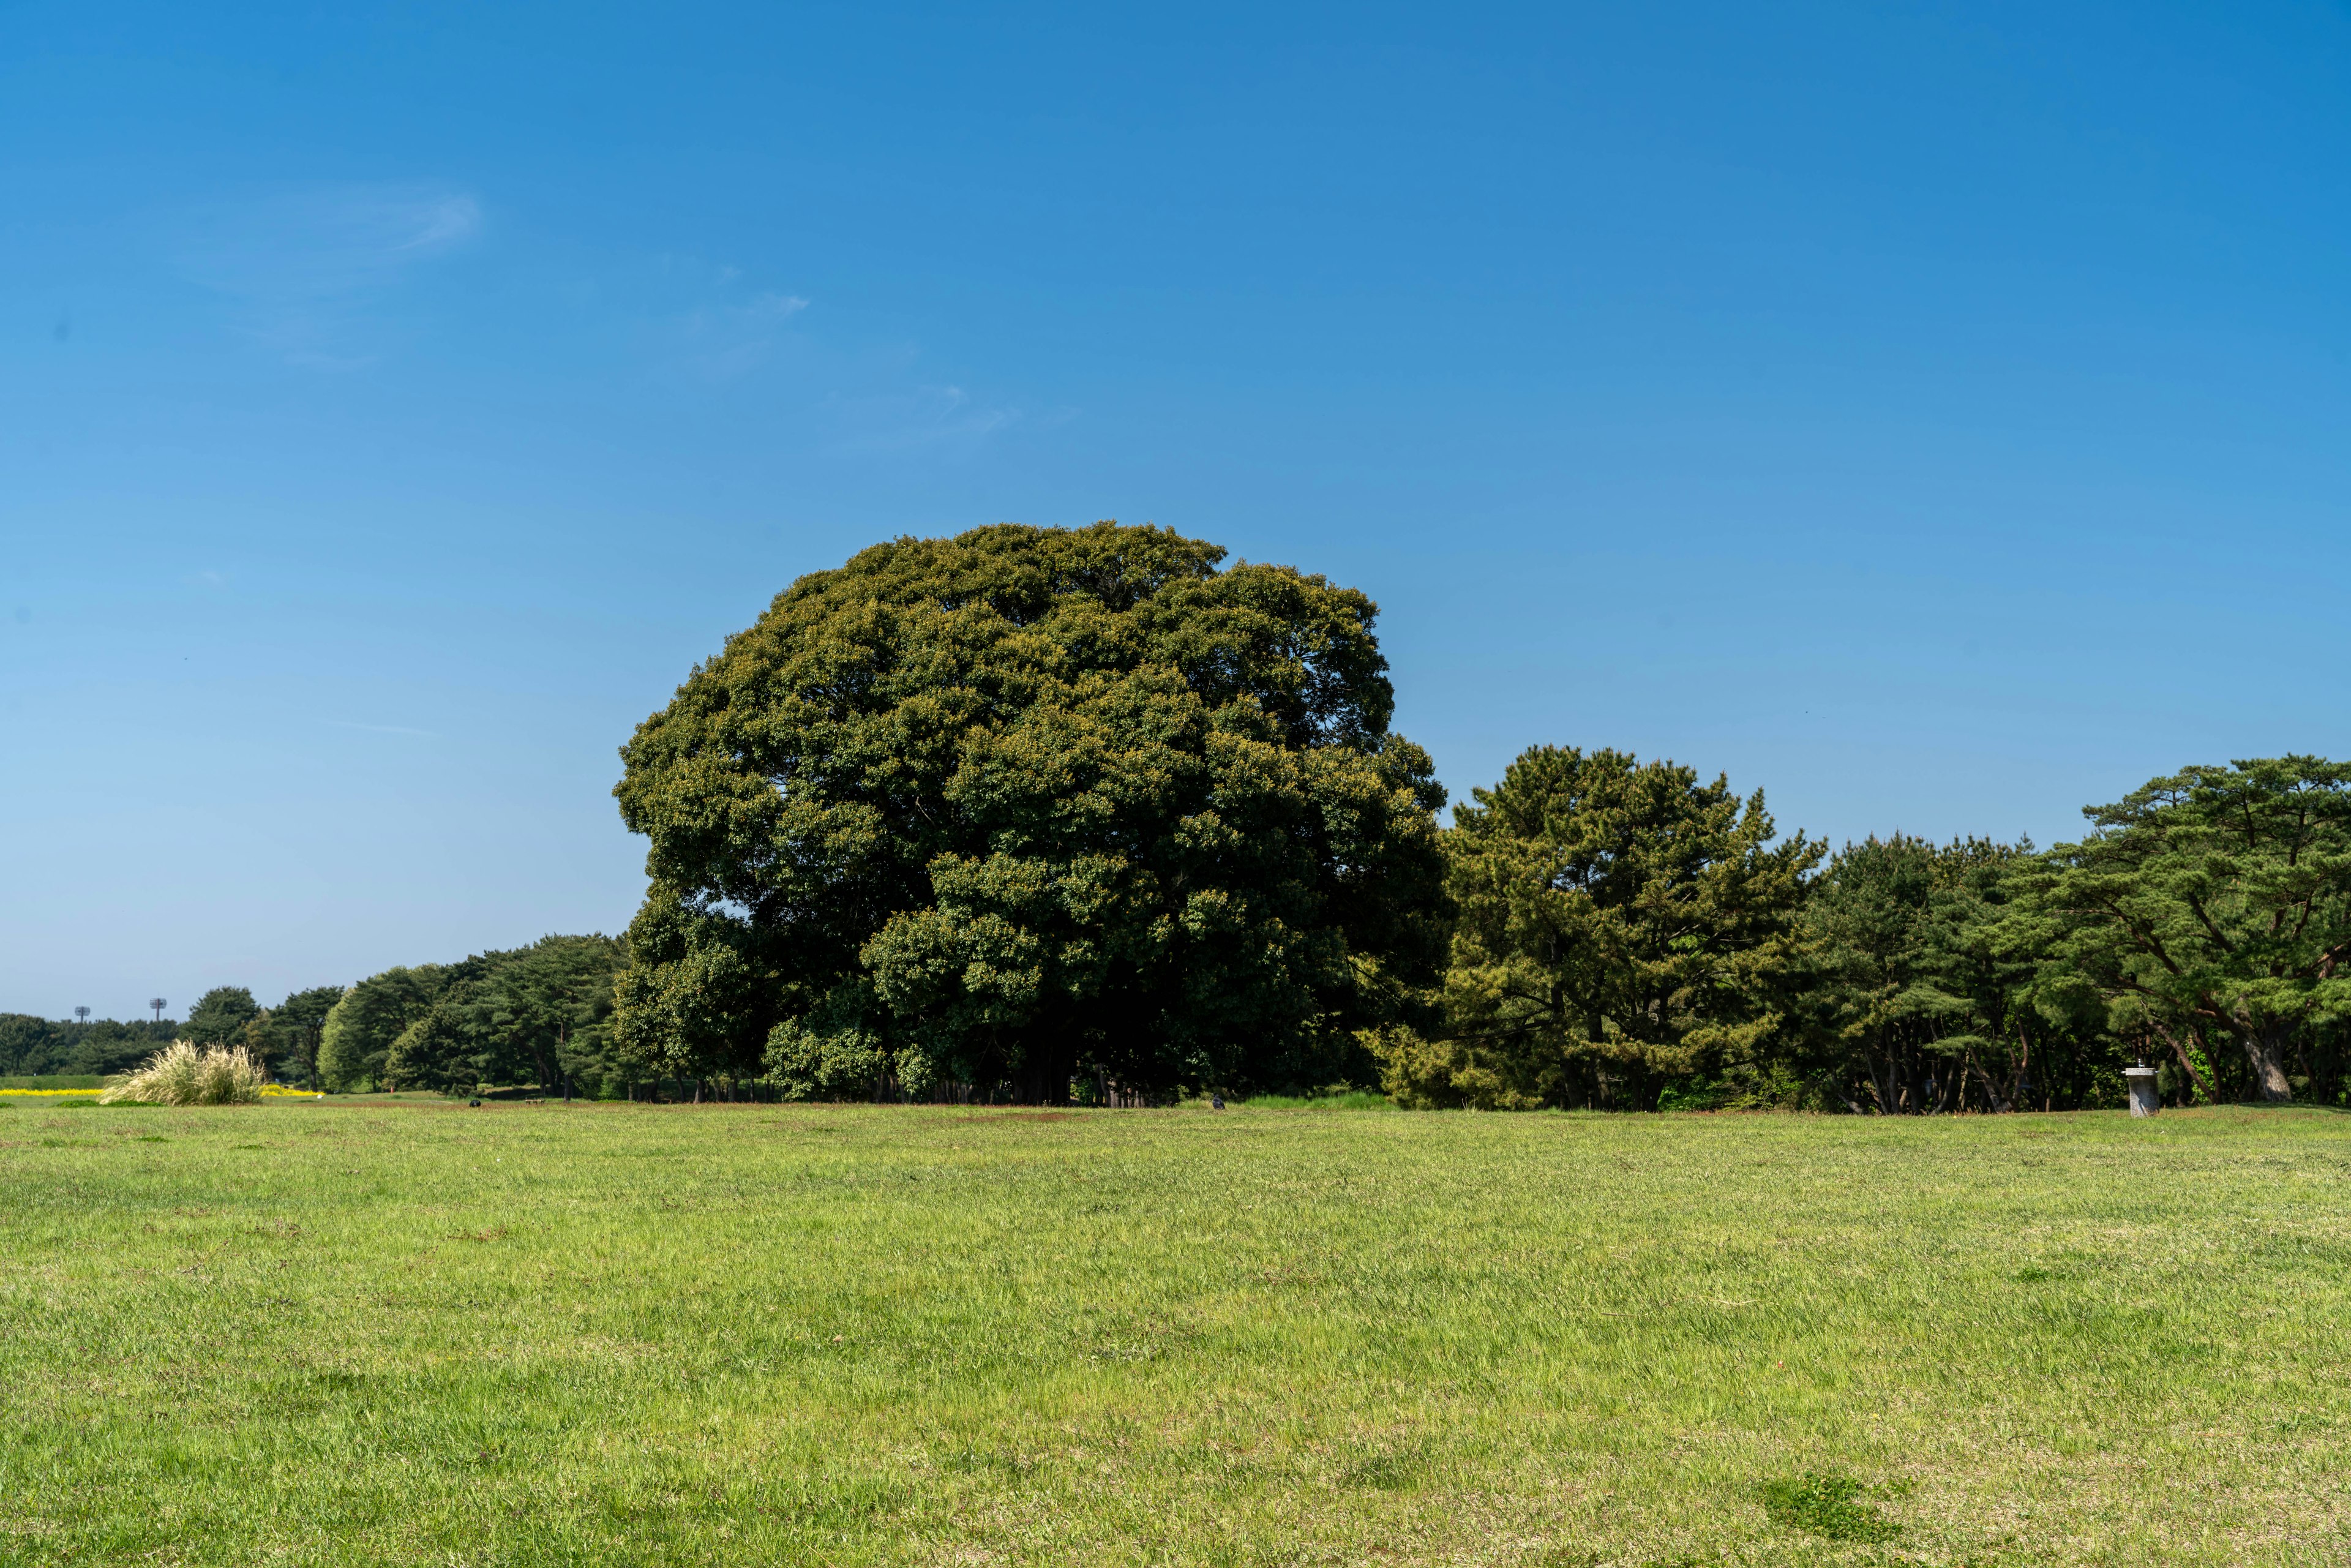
column 2142, row 1090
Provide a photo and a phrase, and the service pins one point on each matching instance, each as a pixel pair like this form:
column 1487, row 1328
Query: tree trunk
column 2266, row 1050
column 2186, row 1063
column 1883, row 1083
column 545, row 1067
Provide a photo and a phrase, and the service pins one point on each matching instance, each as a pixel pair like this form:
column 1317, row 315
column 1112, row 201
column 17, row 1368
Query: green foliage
column 540, row 1014
column 1030, row 804
column 295, row 1029
column 1042, row 814
column 2213, row 902
column 227, row 1015
column 356, row 1039
column 220, row 1017
column 1918, row 989
column 287, row 1035
column 825, row 1059
column 1620, row 924
column 1826, row 1505
column 36, row 1046
column 436, row 1052
column 1695, row 1093
column 543, row 1013
column 109, row 1048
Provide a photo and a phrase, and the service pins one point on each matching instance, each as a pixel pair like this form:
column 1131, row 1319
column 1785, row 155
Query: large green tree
column 1927, row 992
column 220, row 1017
column 357, row 1037
column 1621, row 924
column 544, row 1010
column 1871, row 916
column 2215, row 902
column 439, row 1051
column 296, row 1026
column 1030, row 804
column 538, row 1014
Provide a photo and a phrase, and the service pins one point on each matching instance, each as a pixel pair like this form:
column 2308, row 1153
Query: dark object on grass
column 474, row 1101
column 1827, row 1506
column 1215, row 1101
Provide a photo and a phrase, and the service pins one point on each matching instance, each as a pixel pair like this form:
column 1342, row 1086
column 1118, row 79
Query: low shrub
column 1830, row 1506
column 180, row 1074
column 1694, row 1094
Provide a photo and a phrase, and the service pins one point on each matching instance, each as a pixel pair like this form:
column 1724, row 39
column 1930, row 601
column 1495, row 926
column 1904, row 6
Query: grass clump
column 180, row 1074
column 1828, row 1506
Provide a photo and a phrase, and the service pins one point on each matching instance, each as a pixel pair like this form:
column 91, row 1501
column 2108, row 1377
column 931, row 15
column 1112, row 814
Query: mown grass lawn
column 337, row 1333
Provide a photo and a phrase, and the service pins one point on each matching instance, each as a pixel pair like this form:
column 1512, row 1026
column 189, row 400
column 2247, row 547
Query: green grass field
column 332, row 1334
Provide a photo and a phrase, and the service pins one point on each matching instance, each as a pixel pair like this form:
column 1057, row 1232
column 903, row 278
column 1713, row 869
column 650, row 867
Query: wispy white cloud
column 309, row 266
column 723, row 332
column 772, row 309
column 942, row 417
column 735, row 338
column 721, row 326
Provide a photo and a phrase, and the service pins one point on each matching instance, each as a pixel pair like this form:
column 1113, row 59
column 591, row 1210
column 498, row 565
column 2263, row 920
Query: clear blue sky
column 1937, row 414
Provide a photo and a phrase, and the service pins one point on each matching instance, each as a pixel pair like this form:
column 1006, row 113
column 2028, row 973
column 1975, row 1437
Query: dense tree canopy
column 1622, row 934
column 543, row 1012
column 2215, row 902
column 355, row 1041
column 1035, row 811
column 1031, row 804
column 295, row 1029
column 438, row 1053
column 221, row 1017
column 538, row 1015
column 1620, row 924
column 1918, row 983
column 34, row 1046
column 285, row 1036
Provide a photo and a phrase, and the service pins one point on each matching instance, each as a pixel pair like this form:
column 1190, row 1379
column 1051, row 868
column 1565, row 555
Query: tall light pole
column 81, row 1015
column 158, row 1004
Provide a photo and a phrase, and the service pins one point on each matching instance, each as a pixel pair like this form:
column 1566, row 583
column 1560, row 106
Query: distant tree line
column 1039, row 814
column 1031, row 814
column 1628, row 937
column 223, row 1016
column 539, row 1014
column 530, row 1016
column 31, row 1046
